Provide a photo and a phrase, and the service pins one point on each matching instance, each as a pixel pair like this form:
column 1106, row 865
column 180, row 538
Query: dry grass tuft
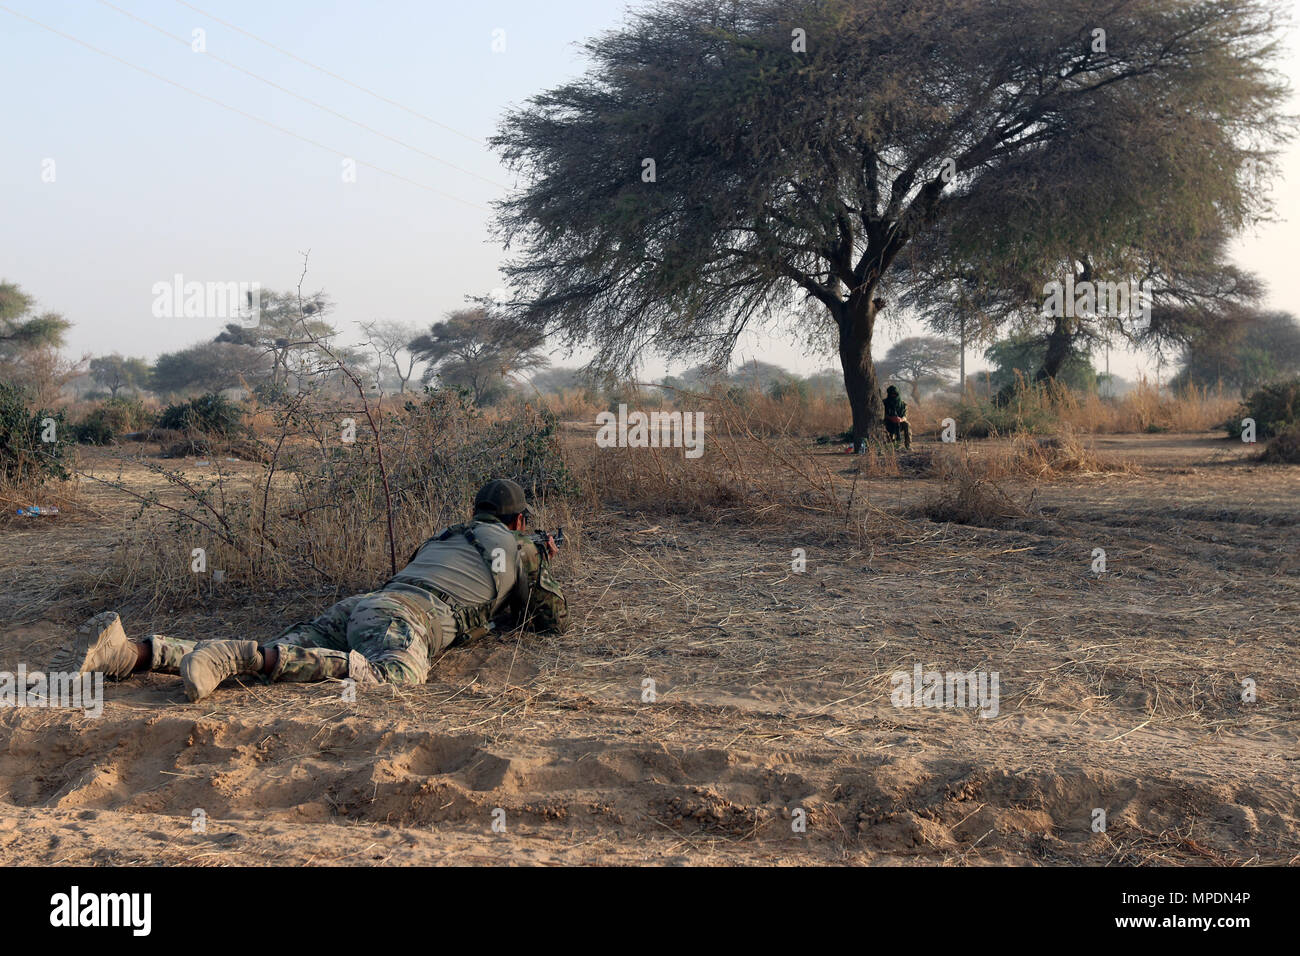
column 1026, row 457
column 748, row 469
column 1055, row 456
column 967, row 496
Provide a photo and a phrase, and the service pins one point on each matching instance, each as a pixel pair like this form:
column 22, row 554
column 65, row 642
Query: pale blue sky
column 151, row 181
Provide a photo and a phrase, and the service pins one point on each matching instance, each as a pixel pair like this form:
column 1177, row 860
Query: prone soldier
column 456, row 587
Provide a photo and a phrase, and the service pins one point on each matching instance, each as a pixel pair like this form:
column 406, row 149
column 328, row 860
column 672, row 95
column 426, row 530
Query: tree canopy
column 209, row 367
column 1258, row 348
column 1019, row 358
column 726, row 164
column 288, row 327
column 114, row 372
column 21, row 329
column 479, row 350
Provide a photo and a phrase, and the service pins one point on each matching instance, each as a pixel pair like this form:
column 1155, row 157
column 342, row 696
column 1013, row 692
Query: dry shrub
column 571, row 405
column 1143, row 409
column 968, row 495
column 1025, row 457
column 664, row 481
column 968, row 499
column 318, row 509
column 1284, row 449
column 791, row 413
column 1054, row 457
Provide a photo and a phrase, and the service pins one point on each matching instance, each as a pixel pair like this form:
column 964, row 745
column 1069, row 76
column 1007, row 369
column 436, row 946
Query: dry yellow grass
column 1144, row 409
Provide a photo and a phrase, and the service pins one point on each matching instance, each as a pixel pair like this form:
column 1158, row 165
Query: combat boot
column 209, row 664
column 99, row 646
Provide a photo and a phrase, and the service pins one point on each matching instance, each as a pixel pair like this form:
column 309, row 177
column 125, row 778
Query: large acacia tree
column 722, row 164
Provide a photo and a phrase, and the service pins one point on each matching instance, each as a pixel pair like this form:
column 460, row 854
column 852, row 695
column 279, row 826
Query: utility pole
column 963, row 354
column 1110, row 382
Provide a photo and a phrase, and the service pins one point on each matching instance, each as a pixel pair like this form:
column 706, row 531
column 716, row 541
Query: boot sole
column 88, row 643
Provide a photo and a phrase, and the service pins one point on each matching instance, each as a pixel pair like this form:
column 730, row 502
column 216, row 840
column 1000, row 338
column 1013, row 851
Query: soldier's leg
column 393, row 632
column 314, row 650
column 907, row 434
column 300, row 653
column 328, row 630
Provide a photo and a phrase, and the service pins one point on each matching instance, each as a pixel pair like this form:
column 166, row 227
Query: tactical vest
column 474, row 621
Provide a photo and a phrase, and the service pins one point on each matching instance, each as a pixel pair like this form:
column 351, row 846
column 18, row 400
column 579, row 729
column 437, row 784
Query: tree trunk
column 857, row 324
column 1061, row 338
column 1059, row 341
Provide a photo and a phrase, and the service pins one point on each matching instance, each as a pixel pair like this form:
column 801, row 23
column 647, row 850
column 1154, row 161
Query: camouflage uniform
column 451, row 590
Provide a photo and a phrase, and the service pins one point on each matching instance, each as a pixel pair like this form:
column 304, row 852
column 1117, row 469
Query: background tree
column 1256, row 349
column 697, row 377
column 920, row 361
column 722, row 163
column 210, row 367
column 114, row 372
column 760, row 376
column 287, row 331
column 390, row 341
column 556, row 380
column 29, row 347
column 357, row 360
column 479, row 350
column 1019, row 358
column 21, row 329
column 1193, row 290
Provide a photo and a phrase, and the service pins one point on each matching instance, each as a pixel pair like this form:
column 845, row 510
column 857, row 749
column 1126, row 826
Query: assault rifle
column 540, row 538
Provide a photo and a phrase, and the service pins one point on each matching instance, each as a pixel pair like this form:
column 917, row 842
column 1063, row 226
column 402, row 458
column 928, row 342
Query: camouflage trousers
column 397, row 632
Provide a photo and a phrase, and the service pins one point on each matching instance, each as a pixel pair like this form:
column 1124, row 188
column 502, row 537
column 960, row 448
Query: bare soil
column 1120, row 691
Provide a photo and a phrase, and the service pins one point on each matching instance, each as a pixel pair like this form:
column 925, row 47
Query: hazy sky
column 150, row 180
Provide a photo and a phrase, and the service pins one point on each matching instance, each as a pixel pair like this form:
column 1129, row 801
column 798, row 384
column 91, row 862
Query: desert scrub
column 316, row 509
column 111, row 419
column 211, row 414
column 35, row 445
column 1275, row 409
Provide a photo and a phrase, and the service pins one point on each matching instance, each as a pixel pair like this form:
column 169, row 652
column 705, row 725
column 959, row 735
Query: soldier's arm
column 544, row 609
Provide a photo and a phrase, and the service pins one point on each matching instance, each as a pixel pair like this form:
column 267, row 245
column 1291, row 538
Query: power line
column 309, row 102
column 341, row 79
column 246, row 115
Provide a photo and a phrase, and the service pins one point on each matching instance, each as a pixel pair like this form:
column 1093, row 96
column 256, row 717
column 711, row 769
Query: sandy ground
column 771, row 708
